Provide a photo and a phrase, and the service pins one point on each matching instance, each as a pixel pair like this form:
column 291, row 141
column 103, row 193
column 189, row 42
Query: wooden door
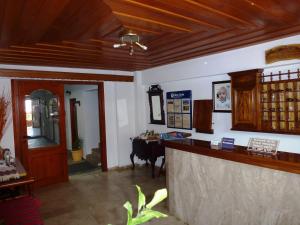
column 43, row 149
column 245, row 104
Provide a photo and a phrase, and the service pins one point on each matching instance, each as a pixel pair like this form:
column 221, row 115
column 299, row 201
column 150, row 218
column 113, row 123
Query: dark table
column 148, row 150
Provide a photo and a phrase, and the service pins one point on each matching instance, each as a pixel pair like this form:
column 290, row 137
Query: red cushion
column 21, row 211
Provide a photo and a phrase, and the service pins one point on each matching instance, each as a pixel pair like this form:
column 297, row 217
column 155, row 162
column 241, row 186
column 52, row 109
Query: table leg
column 153, row 167
column 132, row 160
column 162, row 165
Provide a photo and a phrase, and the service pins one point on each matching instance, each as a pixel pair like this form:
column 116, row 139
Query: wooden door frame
column 102, row 126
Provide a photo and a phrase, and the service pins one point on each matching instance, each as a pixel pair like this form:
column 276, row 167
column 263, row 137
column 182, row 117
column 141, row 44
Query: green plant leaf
column 159, row 196
column 128, row 206
column 147, row 215
column 141, row 199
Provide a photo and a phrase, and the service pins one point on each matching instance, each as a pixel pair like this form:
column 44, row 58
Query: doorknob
column 26, row 137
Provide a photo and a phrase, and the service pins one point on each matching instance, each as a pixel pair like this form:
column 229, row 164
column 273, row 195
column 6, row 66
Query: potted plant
column 77, row 151
column 145, row 211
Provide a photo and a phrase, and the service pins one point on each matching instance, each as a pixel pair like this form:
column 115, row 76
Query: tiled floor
column 98, row 198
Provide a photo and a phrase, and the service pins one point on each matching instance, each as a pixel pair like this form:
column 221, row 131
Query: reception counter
column 236, row 187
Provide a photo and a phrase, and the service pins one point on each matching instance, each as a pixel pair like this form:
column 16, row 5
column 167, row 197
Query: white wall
column 198, row 74
column 87, row 116
column 91, row 120
column 120, row 122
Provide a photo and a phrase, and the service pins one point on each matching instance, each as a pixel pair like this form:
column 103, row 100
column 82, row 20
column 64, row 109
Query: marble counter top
column 284, row 161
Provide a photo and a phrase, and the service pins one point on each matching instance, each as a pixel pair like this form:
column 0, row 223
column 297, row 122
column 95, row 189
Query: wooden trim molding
column 283, row 52
column 283, row 161
column 102, row 126
column 51, row 75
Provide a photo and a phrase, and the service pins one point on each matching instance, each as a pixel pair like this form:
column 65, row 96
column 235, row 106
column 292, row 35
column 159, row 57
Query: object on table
column 227, row 143
column 6, row 155
column 14, row 171
column 265, row 146
column 149, row 135
column 175, row 135
column 215, row 144
column 8, row 172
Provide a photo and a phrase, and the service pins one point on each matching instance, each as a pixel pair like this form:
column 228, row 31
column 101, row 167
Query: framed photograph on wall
column 221, row 92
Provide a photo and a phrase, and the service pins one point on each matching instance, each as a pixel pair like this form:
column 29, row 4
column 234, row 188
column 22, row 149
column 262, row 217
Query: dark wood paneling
column 284, row 161
column 202, row 116
column 244, row 93
column 63, row 76
column 69, row 33
column 102, row 126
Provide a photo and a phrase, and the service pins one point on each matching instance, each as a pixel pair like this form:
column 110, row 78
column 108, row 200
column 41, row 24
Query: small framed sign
column 221, row 92
column 265, row 146
column 179, row 109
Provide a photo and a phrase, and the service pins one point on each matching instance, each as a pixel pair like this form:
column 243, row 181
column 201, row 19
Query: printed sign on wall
column 179, row 109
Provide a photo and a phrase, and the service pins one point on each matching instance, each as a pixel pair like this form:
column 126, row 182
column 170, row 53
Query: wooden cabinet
column 202, row 118
column 266, row 103
column 244, row 92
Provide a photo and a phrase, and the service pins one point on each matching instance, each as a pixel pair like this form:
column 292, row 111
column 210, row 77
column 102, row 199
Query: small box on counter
column 227, row 143
column 215, row 144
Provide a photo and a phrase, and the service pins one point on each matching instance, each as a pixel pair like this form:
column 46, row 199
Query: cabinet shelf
column 298, row 100
column 279, row 91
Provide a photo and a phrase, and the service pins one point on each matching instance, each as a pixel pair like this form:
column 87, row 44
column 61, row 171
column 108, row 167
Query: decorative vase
column 77, row 154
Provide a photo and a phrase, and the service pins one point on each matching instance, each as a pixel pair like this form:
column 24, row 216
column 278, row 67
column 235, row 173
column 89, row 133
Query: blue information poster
column 179, row 109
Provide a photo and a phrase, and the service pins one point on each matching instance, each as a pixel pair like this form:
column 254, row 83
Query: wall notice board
column 179, row 109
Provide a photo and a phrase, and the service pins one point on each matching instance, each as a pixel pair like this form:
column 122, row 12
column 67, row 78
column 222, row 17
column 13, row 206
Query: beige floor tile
column 97, row 198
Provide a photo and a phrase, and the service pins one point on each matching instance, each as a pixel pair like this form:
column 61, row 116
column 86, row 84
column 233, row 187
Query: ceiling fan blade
column 144, row 47
column 119, row 45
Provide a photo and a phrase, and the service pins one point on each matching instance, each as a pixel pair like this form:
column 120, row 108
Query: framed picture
column 179, row 109
column 221, row 92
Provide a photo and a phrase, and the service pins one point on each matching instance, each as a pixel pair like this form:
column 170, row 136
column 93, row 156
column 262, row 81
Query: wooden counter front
column 284, row 161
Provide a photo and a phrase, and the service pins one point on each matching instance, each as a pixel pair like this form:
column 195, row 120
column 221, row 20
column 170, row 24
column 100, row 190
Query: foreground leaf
column 146, row 216
column 159, row 196
column 128, row 206
column 141, row 199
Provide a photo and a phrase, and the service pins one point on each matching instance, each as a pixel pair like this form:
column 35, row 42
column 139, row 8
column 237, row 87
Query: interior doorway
column 82, row 128
column 40, row 131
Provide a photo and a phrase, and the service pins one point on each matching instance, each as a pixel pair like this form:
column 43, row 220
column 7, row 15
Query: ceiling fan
column 129, row 38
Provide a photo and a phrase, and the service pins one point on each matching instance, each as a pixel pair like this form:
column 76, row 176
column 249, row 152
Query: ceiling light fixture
column 130, row 38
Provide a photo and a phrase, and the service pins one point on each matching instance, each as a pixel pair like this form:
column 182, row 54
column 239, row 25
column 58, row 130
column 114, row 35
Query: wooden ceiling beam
column 120, row 52
column 190, row 42
column 175, row 27
column 73, row 65
column 218, row 12
column 70, row 59
column 32, row 74
column 167, row 12
column 104, row 55
column 56, row 61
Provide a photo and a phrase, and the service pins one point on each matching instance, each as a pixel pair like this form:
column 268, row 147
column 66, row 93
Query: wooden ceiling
column 80, row 33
